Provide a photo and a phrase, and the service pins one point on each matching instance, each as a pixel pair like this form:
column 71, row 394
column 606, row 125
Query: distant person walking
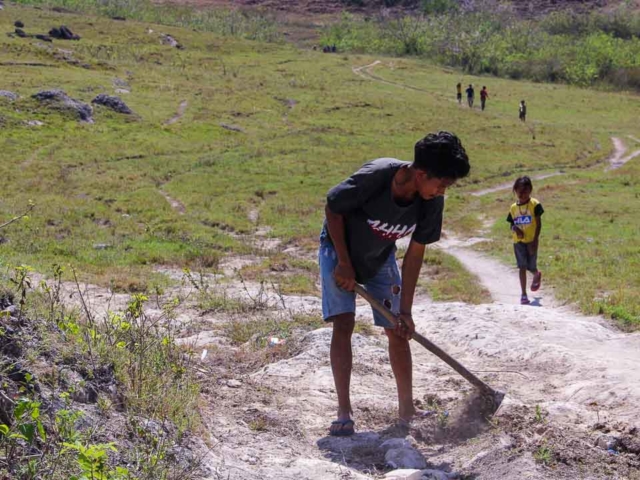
column 470, row 95
column 525, row 217
column 522, row 111
column 459, row 93
column 484, row 94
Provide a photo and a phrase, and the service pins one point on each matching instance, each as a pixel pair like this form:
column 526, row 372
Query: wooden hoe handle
column 428, row 344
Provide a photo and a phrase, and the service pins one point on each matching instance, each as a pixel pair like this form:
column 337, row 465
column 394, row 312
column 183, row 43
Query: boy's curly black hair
column 442, row 155
column 523, row 181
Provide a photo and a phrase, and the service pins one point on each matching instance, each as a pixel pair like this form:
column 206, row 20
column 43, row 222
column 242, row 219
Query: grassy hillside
column 266, row 130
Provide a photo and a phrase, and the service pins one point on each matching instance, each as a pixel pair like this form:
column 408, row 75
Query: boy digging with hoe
column 385, row 200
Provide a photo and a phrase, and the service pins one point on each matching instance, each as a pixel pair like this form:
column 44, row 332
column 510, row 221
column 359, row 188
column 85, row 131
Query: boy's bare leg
column 341, row 364
column 523, row 280
column 400, row 357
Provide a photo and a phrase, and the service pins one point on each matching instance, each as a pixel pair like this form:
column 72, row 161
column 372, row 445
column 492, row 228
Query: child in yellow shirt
column 525, row 217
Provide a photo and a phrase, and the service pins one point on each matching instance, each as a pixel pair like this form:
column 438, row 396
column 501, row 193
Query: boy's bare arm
column 538, row 229
column 519, row 233
column 411, row 266
column 344, row 274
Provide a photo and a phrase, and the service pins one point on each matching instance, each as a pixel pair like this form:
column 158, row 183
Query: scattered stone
column 395, row 443
column 6, row 299
column 102, row 246
column 404, row 474
column 287, row 102
column 18, row 24
column 21, row 33
column 607, row 442
column 18, row 374
column 233, row 383
column 233, row 128
column 10, row 95
column 34, row 123
column 61, row 99
column 182, row 456
column 11, row 310
column 477, row 458
column 118, row 82
column 122, row 91
column 152, row 427
column 10, row 344
column 405, row 458
column 172, row 42
column 114, row 103
column 507, row 441
column 87, row 394
column 251, row 460
column 437, row 475
column 63, row 33
column 629, row 443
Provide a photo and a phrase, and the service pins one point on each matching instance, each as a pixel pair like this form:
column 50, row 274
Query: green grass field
column 307, row 121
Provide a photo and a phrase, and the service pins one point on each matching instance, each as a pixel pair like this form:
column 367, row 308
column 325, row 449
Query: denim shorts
column 524, row 259
column 385, row 287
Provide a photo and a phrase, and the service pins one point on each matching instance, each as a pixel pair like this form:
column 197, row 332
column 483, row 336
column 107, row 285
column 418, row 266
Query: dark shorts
column 383, row 287
column 524, row 259
column 459, row 96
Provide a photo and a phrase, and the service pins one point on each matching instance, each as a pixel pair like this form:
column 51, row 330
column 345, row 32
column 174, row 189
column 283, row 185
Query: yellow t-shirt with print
column 524, row 217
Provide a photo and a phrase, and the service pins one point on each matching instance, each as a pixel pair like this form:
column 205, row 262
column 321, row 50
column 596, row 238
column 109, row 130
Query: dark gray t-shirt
column 374, row 221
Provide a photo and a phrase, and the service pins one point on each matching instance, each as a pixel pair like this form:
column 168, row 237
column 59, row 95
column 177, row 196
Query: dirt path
column 365, row 72
column 270, row 422
column 578, row 369
column 182, row 108
column 618, row 158
column 175, row 204
column 500, row 280
column 509, row 185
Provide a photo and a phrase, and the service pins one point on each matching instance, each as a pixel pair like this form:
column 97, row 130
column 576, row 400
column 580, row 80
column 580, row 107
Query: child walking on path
column 522, row 111
column 470, row 95
column 484, row 94
column 525, row 217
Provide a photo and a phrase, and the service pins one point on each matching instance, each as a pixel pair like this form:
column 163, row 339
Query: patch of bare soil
column 569, row 413
column 572, row 386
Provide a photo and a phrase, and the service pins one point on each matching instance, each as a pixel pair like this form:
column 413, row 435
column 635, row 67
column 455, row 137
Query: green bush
column 577, row 49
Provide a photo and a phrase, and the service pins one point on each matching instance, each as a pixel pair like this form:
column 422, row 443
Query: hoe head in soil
column 492, row 398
